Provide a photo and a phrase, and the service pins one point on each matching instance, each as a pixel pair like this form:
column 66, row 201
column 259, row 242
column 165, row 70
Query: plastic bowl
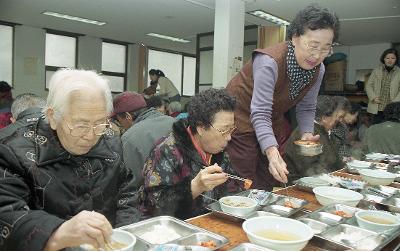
column 308, row 148
column 392, row 221
column 334, row 195
column 377, row 177
column 120, row 236
column 358, row 164
column 278, row 224
column 231, row 205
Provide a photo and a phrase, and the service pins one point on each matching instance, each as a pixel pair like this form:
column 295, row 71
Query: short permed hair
column 326, row 106
column 204, row 105
column 392, row 112
column 389, row 51
column 314, row 17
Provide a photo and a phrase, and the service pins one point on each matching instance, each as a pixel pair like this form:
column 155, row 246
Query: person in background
column 384, row 137
column 158, row 103
column 166, row 88
column 191, row 161
column 143, row 127
column 344, row 135
column 184, row 114
column 5, row 104
column 383, row 86
column 276, row 79
column 174, row 109
column 326, row 117
column 26, row 105
column 63, row 182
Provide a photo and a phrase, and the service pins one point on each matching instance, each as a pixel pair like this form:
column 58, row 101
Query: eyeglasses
column 314, row 50
column 226, row 132
column 82, row 129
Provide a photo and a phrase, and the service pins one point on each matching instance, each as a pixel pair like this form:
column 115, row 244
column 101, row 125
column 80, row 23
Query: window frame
column 12, row 25
column 182, row 54
column 55, row 68
column 117, row 74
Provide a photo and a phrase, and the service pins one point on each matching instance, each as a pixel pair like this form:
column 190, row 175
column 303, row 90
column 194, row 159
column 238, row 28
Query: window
column 60, row 53
column 114, row 65
column 6, row 55
column 178, row 67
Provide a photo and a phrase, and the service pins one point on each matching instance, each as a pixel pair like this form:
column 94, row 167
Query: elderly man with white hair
column 62, row 179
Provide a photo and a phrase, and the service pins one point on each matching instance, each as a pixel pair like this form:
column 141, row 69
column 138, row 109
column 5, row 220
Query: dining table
column 232, row 229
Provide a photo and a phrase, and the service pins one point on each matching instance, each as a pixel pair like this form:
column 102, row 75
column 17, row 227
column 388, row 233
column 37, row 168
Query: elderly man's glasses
column 79, row 130
column 314, row 50
column 225, row 132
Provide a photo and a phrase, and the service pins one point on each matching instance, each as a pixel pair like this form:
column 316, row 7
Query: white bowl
column 335, row 195
column 230, row 204
column 120, row 236
column 358, row 164
column 377, row 177
column 376, row 156
column 374, row 226
column 280, row 224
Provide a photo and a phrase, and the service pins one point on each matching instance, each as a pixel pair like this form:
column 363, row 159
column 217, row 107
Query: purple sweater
column 265, row 73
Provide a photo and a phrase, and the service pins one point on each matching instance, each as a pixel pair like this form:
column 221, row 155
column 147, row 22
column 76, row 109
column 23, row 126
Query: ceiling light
column 264, row 15
column 79, row 19
column 175, row 39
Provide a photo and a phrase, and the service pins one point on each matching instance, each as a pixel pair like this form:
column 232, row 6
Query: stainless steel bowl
column 308, row 148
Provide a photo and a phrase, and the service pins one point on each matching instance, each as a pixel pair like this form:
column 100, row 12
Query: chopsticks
column 235, row 177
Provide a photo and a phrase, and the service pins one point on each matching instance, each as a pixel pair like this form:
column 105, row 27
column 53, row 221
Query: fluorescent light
column 175, row 39
column 264, row 15
column 79, row 19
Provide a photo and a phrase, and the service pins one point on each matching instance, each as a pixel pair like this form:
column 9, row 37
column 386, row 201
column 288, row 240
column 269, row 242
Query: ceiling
column 362, row 21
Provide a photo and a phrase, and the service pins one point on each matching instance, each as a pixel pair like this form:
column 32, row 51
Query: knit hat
column 128, row 102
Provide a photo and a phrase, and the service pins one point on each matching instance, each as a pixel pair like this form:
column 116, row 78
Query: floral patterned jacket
column 168, row 173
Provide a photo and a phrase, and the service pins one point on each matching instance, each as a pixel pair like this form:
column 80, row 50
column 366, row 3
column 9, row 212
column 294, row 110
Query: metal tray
column 344, row 182
column 383, row 197
column 309, row 183
column 274, row 204
column 332, row 230
column 190, row 235
column 249, row 247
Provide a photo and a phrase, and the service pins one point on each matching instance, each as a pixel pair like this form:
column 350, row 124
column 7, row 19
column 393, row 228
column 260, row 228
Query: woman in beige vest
column 383, row 85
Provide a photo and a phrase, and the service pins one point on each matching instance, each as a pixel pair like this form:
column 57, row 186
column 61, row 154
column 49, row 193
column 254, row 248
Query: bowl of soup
column 327, row 195
column 377, row 177
column 278, row 233
column 120, row 241
column 308, row 147
column 238, row 205
column 377, row 221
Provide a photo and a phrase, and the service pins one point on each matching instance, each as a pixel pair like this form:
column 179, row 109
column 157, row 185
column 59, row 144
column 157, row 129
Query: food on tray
column 208, row 244
column 232, row 203
column 247, row 184
column 377, row 219
column 342, row 214
column 278, row 235
column 307, row 143
column 160, row 234
column 288, row 203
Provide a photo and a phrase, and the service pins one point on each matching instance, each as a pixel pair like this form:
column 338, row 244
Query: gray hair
column 175, row 106
column 25, row 101
column 66, row 81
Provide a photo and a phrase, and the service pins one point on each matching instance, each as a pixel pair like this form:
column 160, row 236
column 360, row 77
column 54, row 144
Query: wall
column 361, row 57
column 29, row 60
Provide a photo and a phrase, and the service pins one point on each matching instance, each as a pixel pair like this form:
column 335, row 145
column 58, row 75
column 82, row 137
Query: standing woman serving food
column 278, row 78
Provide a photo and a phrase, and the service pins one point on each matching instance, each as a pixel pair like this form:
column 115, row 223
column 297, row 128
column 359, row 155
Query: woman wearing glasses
column 278, row 78
column 191, row 161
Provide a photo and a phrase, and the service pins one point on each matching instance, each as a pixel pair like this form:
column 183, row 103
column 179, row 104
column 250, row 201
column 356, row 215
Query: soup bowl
column 278, row 233
column 238, row 205
column 377, row 177
column 121, row 237
column 378, row 221
column 334, row 195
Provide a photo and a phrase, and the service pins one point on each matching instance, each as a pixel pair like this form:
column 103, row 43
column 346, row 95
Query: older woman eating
column 191, row 161
column 326, row 117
